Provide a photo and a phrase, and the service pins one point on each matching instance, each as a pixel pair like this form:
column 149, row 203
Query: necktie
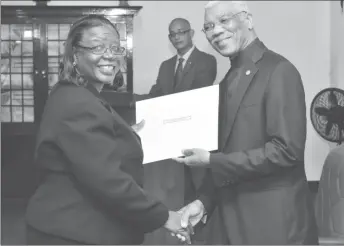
column 179, row 72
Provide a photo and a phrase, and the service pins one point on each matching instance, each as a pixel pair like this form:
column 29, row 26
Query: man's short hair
column 238, row 6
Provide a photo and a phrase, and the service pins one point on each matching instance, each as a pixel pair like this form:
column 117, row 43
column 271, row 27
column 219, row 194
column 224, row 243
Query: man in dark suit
column 189, row 69
column 257, row 178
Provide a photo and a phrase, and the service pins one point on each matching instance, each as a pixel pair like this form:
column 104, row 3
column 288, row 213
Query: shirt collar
column 247, row 54
column 187, row 54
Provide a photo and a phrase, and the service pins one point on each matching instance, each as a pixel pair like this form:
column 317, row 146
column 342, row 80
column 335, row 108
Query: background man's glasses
column 175, row 34
column 101, row 49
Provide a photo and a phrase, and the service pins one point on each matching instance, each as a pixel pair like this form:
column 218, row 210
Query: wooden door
column 21, row 102
column 32, row 44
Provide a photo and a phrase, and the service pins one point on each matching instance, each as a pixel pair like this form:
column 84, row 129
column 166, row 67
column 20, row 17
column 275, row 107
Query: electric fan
column 327, row 114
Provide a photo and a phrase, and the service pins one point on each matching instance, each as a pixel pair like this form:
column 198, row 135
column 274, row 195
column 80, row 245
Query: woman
column 91, row 159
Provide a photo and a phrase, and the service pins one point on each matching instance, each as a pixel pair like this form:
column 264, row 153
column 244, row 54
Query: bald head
column 181, row 34
column 180, row 22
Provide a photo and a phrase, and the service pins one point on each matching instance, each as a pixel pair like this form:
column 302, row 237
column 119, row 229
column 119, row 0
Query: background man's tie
column 179, row 73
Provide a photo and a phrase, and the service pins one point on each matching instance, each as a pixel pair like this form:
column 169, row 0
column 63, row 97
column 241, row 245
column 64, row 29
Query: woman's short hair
column 67, row 70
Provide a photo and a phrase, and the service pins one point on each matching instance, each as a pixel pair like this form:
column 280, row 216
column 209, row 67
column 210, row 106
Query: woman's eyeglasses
column 101, row 49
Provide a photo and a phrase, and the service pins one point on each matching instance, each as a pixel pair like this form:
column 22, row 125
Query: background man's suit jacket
column 91, row 189
column 259, row 174
column 167, row 179
column 199, row 71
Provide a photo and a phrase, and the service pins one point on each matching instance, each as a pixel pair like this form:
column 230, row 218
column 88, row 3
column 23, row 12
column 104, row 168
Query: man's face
column 224, row 29
column 180, row 35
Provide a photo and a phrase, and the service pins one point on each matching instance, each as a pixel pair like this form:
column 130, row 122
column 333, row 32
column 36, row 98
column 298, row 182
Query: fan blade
column 333, row 99
column 329, row 126
column 321, row 111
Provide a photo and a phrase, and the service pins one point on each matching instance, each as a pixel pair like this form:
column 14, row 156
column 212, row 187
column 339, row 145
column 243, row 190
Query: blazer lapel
column 169, row 82
column 94, row 91
column 223, row 111
column 236, row 98
column 185, row 82
column 247, row 72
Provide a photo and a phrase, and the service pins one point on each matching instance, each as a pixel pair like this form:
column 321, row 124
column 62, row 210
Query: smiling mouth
column 222, row 41
column 108, row 69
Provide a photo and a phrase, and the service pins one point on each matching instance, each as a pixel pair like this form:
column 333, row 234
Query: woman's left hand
column 138, row 127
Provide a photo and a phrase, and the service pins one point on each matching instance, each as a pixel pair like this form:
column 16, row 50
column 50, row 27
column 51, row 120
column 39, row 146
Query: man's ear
column 192, row 33
column 249, row 22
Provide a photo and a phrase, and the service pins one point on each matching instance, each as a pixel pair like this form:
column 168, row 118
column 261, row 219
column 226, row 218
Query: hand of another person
column 173, row 224
column 192, row 213
column 138, row 127
column 194, row 158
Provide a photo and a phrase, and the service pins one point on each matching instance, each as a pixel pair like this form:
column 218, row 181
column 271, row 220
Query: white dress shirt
column 185, row 56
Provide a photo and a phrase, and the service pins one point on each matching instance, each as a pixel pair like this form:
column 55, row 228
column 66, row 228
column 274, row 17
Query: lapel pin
column 248, row 72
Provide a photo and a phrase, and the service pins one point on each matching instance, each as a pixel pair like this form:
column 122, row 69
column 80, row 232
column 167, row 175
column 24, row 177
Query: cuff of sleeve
column 217, row 162
column 206, row 203
column 204, row 219
column 215, row 158
column 160, row 220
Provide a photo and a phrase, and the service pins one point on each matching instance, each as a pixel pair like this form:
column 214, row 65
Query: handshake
column 181, row 223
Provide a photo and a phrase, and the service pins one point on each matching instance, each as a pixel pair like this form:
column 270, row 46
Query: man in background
column 257, row 179
column 189, row 69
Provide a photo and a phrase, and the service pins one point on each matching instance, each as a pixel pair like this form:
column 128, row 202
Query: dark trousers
column 36, row 237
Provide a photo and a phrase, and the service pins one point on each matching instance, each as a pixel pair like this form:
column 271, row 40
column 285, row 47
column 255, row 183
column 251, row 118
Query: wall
column 293, row 29
column 337, row 45
column 299, row 30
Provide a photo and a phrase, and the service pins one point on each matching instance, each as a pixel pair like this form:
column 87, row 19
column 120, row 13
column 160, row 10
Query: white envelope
column 179, row 121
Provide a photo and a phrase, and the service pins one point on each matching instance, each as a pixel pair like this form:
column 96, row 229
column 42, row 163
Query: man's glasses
column 175, row 34
column 101, row 49
column 224, row 22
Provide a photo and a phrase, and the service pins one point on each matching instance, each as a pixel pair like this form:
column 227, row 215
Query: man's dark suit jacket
column 91, row 190
column 170, row 181
column 199, row 71
column 258, row 173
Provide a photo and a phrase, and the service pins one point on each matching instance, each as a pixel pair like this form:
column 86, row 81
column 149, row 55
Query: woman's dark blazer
column 91, row 190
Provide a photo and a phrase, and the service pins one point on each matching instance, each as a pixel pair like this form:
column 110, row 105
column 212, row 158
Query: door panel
column 32, row 43
column 17, row 78
column 55, row 36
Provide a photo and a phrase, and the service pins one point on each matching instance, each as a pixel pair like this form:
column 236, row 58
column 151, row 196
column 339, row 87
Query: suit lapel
column 108, row 107
column 247, row 71
column 185, row 82
column 169, row 82
column 223, row 111
column 234, row 101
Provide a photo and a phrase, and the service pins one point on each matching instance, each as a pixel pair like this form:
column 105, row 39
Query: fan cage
column 319, row 122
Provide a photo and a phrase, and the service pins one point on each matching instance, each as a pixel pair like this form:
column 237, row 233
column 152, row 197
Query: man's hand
column 192, row 213
column 194, row 158
column 174, row 225
column 138, row 127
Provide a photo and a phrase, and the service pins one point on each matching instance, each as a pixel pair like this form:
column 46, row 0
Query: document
column 179, row 121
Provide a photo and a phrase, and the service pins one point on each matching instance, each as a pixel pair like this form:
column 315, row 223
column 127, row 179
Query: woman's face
column 93, row 62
